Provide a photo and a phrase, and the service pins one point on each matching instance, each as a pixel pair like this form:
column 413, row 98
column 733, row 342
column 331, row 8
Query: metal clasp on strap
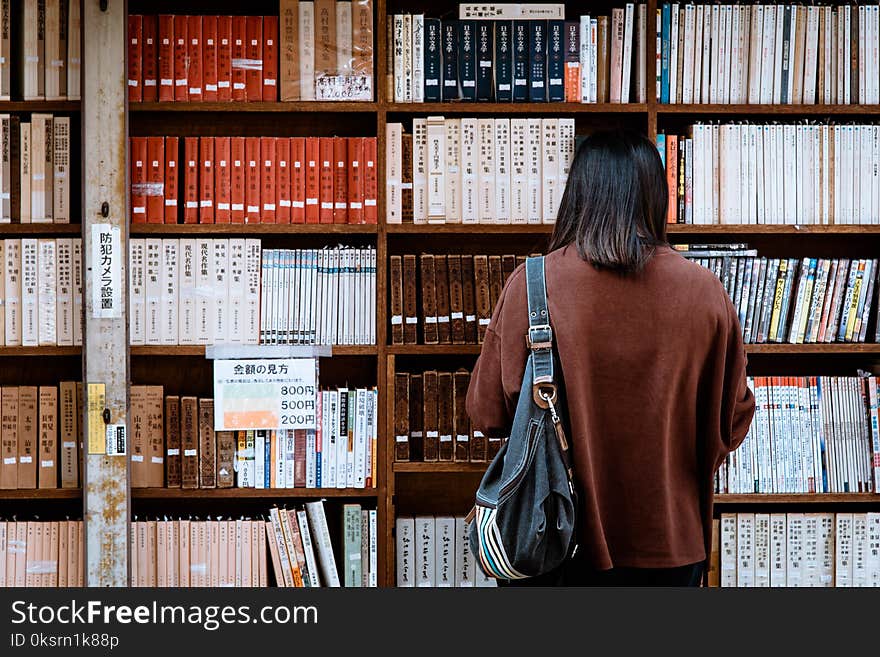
column 540, row 337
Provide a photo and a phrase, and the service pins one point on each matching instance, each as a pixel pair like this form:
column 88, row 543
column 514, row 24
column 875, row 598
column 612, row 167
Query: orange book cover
column 672, row 178
column 282, row 180
column 191, row 180
column 340, row 180
column 371, row 181
column 224, row 58
column 222, row 181
column 172, row 176
column 206, row 180
column 138, row 154
column 194, row 57
column 165, row 52
column 267, row 179
column 155, row 189
column 325, row 180
column 252, row 180
column 356, row 180
column 209, row 58
column 270, row 58
column 135, row 58
column 313, row 183
column 181, row 53
column 297, row 180
column 236, row 179
column 239, row 54
column 150, row 59
column 254, row 53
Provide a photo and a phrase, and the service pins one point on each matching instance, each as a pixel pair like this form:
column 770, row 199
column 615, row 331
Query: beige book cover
column 27, row 437
column 48, row 428
column 61, row 170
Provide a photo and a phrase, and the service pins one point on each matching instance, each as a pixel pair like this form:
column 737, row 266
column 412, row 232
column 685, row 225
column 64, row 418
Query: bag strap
column 540, row 335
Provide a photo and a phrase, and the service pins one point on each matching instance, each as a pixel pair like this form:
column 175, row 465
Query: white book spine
column 464, row 559
column 518, row 170
column 47, row 292
column 566, row 157
column 136, row 299
column 393, row 172
column 419, row 177
column 153, row 291
column 29, row 293
column 406, row 552
column 444, row 552
column 469, row 171
column 399, row 72
column 321, row 537
column 452, row 173
column 436, row 169
column 204, row 291
column 486, row 171
column 687, row 90
column 424, row 551
column 307, row 50
column 778, row 549
column 77, row 273
column 220, row 314
column 237, row 280
column 169, row 298
column 418, row 58
column 186, row 274
column 534, row 159
column 843, row 550
column 728, row 556
column 502, row 171
column 550, row 169
column 585, row 59
column 252, row 291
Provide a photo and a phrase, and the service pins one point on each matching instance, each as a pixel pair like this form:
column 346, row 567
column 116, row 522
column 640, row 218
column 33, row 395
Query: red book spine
column 224, row 58
column 340, row 180
column 135, row 58
column 181, row 53
column 252, row 180
column 166, row 58
column 282, row 180
column 222, row 167
column 325, row 180
column 209, row 58
column 298, row 180
column 206, row 180
column 155, row 190
column 356, row 180
column 172, row 176
column 138, row 180
column 267, row 182
column 194, row 63
column 239, row 50
column 237, row 179
column 191, row 180
column 254, row 54
column 371, row 181
column 150, row 60
column 270, row 58
column 313, row 182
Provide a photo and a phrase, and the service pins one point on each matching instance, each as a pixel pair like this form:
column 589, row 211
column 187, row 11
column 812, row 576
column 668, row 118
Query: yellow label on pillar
column 97, row 438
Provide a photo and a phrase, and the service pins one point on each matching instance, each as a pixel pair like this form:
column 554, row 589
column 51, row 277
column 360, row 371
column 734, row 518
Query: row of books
column 318, row 296
column 41, row 292
column 323, row 50
column 812, row 300
column 768, row 54
column 455, row 293
column 254, row 180
column 483, row 170
column 435, row 552
column 174, row 445
column 431, row 421
column 194, row 291
column 797, row 549
column 593, row 59
column 41, row 554
column 809, row 435
column 773, row 174
column 41, row 436
column 35, row 169
column 48, row 57
column 302, row 555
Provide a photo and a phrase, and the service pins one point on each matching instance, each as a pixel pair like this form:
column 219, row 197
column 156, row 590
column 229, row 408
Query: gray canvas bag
column 524, row 520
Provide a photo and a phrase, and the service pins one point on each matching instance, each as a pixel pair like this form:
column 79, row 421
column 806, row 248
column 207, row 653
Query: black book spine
column 432, row 60
column 537, row 61
column 450, row 60
column 485, row 50
column 556, row 62
column 467, row 60
column 520, row 61
column 503, row 61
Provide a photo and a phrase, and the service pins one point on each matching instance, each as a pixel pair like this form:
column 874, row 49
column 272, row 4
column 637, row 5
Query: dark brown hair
column 613, row 209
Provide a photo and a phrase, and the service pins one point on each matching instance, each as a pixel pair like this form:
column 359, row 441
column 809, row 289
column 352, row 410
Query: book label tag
column 116, row 442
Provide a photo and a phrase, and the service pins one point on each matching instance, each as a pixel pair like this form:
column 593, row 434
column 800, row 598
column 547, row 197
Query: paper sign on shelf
column 277, row 393
column 106, row 272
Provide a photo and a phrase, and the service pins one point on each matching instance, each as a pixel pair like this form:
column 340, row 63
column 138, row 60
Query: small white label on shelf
column 117, row 445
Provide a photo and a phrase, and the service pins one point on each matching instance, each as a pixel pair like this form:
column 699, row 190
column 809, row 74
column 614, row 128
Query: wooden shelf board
column 433, row 349
column 252, row 229
column 795, row 110
column 752, row 229
column 248, row 493
column 468, row 229
column 517, row 108
column 799, row 498
column 199, row 350
column 866, row 348
column 42, row 494
column 39, row 105
column 268, row 107
column 40, row 229
column 40, row 351
column 419, row 467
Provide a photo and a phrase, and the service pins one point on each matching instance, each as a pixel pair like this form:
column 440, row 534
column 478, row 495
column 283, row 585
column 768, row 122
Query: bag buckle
column 540, row 341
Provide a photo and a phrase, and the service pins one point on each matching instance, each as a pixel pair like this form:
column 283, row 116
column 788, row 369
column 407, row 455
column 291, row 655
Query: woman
column 653, row 364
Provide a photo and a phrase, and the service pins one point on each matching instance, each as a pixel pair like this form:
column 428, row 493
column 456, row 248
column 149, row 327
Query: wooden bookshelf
column 41, row 494
column 48, row 230
column 199, row 350
column 62, row 106
column 39, row 351
column 250, row 493
column 249, row 230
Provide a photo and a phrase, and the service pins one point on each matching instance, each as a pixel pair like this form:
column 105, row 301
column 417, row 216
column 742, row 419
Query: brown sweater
column 654, row 371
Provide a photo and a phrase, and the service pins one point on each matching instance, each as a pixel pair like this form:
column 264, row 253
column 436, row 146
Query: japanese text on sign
column 265, row 394
column 106, row 268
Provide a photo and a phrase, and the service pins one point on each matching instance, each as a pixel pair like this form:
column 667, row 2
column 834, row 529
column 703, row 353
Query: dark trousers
column 576, row 572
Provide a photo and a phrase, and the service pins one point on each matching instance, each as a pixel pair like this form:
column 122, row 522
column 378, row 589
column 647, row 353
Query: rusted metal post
column 105, row 244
